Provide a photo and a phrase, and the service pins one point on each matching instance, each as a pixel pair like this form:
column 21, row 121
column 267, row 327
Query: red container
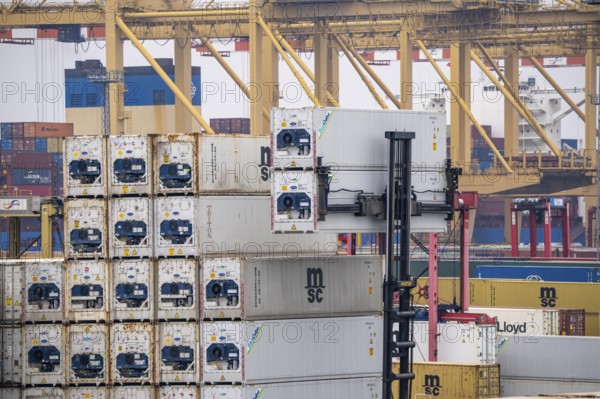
column 32, row 160
column 477, row 140
column 572, row 322
column 38, row 191
column 29, row 129
column 18, row 145
column 18, row 131
column 225, row 126
column 29, row 144
column 47, row 129
column 236, row 125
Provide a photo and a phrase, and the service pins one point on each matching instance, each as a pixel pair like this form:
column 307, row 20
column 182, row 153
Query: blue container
column 556, row 273
column 41, row 145
column 32, row 177
column 5, row 131
column 6, row 144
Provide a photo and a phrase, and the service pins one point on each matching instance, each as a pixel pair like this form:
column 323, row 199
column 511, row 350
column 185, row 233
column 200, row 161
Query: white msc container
column 523, row 322
column 292, row 349
column 132, row 358
column 234, row 165
column 87, row 290
column 131, row 392
column 356, row 388
column 178, row 392
column 131, row 227
column 11, row 291
column 88, row 360
column 85, row 229
column 11, row 393
column 84, row 166
column 294, row 205
column 177, row 289
column 457, row 343
column 176, row 164
column 44, row 291
column 132, row 289
column 222, row 351
column 43, row 393
column 11, row 350
column 176, row 227
column 88, row 393
column 240, row 226
column 353, row 139
column 294, row 287
column 177, row 353
column 130, row 166
column 44, row 355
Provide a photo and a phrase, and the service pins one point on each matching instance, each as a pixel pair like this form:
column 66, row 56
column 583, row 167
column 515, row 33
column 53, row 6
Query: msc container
column 222, row 352
column 541, row 273
column 177, row 289
column 523, row 322
column 293, row 202
column 176, row 226
column 294, row 287
column 131, row 227
column 44, row 291
column 133, row 290
column 84, row 166
column 44, row 355
column 179, row 392
column 130, row 165
column 88, row 393
column 240, row 226
column 535, row 358
column 292, row 349
column 457, row 343
column 131, row 347
column 131, row 392
column 11, row 350
column 44, row 393
column 176, row 164
column 355, row 388
column 453, row 380
column 85, row 229
column 88, row 354
column 88, row 290
column 234, row 165
column 177, row 353
column 11, row 284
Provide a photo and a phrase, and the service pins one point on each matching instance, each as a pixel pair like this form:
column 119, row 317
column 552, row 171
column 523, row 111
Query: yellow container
column 454, row 381
column 523, row 294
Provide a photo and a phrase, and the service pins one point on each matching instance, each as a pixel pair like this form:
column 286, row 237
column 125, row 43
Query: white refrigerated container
column 130, row 166
column 44, row 291
column 131, row 228
column 177, row 289
column 88, row 361
column 85, row 229
column 176, row 227
column 132, row 289
column 84, row 166
column 132, row 355
column 176, row 164
column 44, row 355
column 177, row 353
column 87, row 290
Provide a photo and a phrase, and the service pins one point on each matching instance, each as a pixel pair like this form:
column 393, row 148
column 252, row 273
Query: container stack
column 230, row 125
column 482, row 154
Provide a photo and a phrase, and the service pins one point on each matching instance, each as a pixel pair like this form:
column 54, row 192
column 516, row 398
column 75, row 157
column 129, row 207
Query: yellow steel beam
column 238, row 81
column 302, row 64
column 464, row 106
column 373, row 75
column 406, row 70
column 136, row 43
column 114, row 63
column 47, row 211
column 183, row 77
column 591, row 89
column 507, row 94
column 511, row 116
column 554, row 84
column 287, row 60
column 363, row 77
column 237, row 12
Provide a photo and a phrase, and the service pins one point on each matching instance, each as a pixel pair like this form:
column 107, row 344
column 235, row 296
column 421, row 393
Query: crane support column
column 14, row 237
column 406, row 70
column 183, row 80
column 327, row 71
column 114, row 62
column 460, row 126
column 511, row 115
column 591, row 109
column 433, row 297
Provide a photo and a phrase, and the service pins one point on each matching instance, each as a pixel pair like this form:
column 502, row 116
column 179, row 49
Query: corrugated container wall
column 130, row 166
column 230, row 165
column 239, row 226
column 44, row 290
column 12, row 393
column 176, row 226
column 88, row 360
column 11, row 350
column 84, row 166
column 292, row 287
column 45, row 354
column 131, row 228
column 453, row 380
column 85, row 229
column 132, row 392
column 43, row 392
column 177, row 289
column 88, row 393
column 178, row 392
column 176, row 164
column 12, row 286
column 88, row 290
column 523, row 322
column 178, row 353
column 133, row 290
column 132, row 357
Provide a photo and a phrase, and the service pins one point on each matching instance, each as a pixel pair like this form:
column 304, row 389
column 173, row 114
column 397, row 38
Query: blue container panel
column 41, row 145
column 542, row 273
column 6, row 144
column 6, row 131
column 26, row 238
column 32, row 177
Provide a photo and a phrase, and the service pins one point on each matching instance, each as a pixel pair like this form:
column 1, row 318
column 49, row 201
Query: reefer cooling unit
column 131, row 228
column 177, row 289
column 88, row 354
column 130, row 165
column 84, row 166
column 87, row 290
column 44, row 354
column 176, row 226
column 222, row 352
column 132, row 353
column 177, row 353
column 133, row 289
column 44, row 291
column 175, row 157
column 85, row 229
